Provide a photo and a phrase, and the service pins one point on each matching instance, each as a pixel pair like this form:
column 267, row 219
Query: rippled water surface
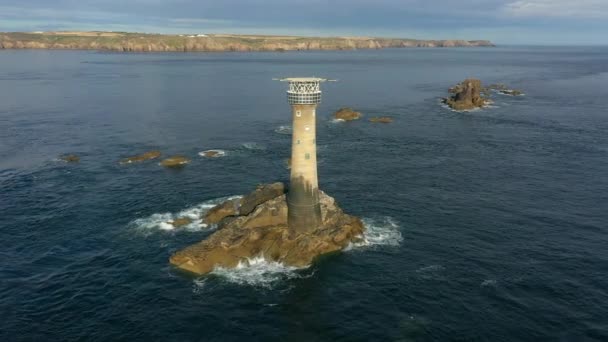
column 489, row 225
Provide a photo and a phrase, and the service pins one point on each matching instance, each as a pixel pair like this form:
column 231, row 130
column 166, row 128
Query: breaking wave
column 214, row 153
column 254, row 146
column 162, row 221
column 285, row 129
column 259, row 272
column 384, row 231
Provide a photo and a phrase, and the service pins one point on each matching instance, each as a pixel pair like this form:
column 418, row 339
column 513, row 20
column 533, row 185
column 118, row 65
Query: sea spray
column 284, row 129
column 260, row 272
column 162, row 221
column 380, row 232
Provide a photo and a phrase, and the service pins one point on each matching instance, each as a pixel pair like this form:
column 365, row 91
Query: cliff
column 140, row 42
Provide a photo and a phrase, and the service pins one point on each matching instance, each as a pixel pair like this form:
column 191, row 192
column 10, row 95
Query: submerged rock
column 347, row 114
column 70, row 158
column 503, row 89
column 381, row 119
column 175, row 161
column 182, row 221
column 212, row 153
column 141, row 157
column 264, row 232
column 512, row 92
column 467, row 95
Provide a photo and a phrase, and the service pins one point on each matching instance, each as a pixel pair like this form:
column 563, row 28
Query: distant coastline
column 143, row 42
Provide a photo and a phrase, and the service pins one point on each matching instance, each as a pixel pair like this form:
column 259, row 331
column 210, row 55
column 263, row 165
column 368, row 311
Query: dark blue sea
column 490, row 225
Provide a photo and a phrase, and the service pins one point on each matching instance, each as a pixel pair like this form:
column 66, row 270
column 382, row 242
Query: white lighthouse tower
column 304, row 211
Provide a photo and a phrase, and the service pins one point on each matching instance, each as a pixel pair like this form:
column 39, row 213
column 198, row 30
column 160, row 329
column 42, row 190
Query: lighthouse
column 304, row 211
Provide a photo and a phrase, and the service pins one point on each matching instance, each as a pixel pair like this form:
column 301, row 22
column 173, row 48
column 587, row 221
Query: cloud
column 594, row 9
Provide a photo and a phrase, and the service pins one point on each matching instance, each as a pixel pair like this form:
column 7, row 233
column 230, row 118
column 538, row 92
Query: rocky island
column 466, row 95
column 257, row 225
column 143, row 42
column 470, row 94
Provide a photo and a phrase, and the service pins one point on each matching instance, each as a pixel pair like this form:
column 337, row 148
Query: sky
column 545, row 22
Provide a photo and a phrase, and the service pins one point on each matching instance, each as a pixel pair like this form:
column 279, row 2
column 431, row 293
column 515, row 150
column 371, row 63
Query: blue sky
column 579, row 22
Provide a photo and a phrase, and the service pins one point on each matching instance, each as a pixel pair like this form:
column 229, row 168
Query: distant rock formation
column 503, row 89
column 141, row 157
column 256, row 225
column 70, row 158
column 175, row 161
column 467, row 95
column 381, row 119
column 347, row 114
column 140, row 42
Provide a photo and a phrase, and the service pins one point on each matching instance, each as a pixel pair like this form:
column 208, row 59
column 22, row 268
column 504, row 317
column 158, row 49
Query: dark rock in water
column 466, row 95
column 503, row 89
column 264, row 232
column 288, row 163
column 175, row 161
column 381, row 119
column 141, row 157
column 512, row 92
column 70, row 158
column 221, row 211
column 347, row 114
column 182, row 221
column 262, row 193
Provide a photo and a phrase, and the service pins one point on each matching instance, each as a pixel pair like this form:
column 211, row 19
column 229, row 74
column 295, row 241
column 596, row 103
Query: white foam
column 259, row 272
column 254, row 146
column 218, row 153
column 337, row 120
column 284, row 129
column 162, row 221
column 488, row 282
column 384, row 232
column 499, row 92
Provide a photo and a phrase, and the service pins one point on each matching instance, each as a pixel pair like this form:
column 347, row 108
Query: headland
column 145, row 42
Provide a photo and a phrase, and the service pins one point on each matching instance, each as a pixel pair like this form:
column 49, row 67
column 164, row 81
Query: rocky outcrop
column 503, row 89
column 246, row 204
column 179, row 222
column 175, row 161
column 141, row 157
column 467, row 95
column 221, row 211
column 381, row 119
column 70, row 158
column 512, row 92
column 347, row 114
column 140, row 42
column 262, row 193
column 264, row 232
